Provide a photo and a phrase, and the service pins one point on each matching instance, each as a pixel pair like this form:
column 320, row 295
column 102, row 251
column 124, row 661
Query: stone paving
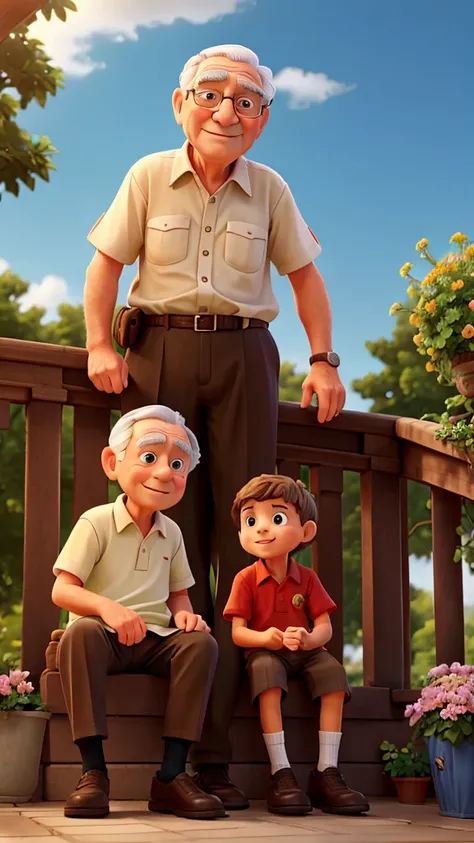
column 130, row 822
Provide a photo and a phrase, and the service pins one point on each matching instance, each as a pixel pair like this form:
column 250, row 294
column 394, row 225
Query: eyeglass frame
column 215, row 108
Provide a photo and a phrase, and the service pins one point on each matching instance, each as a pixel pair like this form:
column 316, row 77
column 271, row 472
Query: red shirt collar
column 263, row 573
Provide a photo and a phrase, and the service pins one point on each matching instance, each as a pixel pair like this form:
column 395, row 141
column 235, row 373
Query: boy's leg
column 189, row 660
column 268, row 682
column 87, row 652
column 327, row 680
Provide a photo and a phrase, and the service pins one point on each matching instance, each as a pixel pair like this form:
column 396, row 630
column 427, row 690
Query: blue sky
column 373, row 169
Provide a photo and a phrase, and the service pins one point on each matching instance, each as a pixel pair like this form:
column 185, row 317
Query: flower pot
column 411, row 790
column 21, row 743
column 462, row 367
column 453, row 775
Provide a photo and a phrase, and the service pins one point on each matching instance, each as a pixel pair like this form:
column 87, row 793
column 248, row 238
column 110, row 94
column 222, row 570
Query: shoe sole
column 86, row 813
column 291, row 810
column 188, row 815
column 236, row 806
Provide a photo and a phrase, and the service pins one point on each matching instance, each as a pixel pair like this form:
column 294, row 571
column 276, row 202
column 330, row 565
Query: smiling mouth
column 151, row 489
column 265, row 541
column 220, row 134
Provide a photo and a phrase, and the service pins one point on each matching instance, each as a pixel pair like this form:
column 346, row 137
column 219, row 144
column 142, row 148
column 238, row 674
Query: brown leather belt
column 202, row 322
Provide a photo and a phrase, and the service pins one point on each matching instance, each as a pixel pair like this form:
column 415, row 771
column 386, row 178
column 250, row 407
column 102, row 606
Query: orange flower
column 430, row 306
column 468, row 332
column 429, row 367
column 417, row 338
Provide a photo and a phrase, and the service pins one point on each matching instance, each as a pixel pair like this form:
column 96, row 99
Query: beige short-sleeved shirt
column 199, row 253
column 107, row 551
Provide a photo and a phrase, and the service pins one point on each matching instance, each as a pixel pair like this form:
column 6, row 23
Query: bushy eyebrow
column 180, row 443
column 151, row 439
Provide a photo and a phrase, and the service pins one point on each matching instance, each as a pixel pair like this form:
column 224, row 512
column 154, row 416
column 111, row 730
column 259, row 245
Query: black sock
column 92, row 753
column 174, row 759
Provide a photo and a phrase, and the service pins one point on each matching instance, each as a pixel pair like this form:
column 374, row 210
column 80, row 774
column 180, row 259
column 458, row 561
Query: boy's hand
column 273, row 638
column 296, row 638
column 189, row 622
column 130, row 627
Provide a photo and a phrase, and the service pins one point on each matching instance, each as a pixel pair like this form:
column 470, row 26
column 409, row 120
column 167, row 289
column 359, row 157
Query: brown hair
column 271, row 486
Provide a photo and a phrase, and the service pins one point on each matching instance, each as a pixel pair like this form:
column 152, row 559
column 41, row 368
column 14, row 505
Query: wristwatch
column 327, row 357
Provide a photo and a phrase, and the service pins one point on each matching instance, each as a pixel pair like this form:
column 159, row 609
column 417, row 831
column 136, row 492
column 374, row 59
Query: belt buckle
column 205, row 330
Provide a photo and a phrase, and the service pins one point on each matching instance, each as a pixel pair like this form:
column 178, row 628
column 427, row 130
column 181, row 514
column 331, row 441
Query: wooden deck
column 385, row 451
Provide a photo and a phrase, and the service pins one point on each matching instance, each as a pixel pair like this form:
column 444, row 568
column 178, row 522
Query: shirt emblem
column 297, row 600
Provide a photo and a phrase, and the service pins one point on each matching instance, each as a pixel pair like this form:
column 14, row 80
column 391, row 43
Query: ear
column 309, row 531
column 109, row 462
column 177, row 101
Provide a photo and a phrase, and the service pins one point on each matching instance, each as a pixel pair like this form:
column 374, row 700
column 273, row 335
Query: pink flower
column 455, row 667
column 408, row 711
column 5, row 688
column 417, row 715
column 441, row 670
column 17, row 676
column 445, row 714
column 24, row 688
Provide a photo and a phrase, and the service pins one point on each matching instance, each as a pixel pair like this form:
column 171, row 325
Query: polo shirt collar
column 123, row 518
column 182, row 165
column 263, row 573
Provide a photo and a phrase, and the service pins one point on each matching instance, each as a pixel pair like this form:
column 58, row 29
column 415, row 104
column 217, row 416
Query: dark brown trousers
column 88, row 652
column 225, row 384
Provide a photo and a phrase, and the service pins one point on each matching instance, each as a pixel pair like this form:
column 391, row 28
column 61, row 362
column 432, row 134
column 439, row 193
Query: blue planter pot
column 453, row 775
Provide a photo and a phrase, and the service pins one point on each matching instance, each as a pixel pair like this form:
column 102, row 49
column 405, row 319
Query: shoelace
column 287, row 779
column 336, row 779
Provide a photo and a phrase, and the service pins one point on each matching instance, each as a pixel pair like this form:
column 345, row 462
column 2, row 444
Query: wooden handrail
column 14, row 12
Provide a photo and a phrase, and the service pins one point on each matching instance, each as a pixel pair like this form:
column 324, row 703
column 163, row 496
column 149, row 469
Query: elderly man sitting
column 122, row 575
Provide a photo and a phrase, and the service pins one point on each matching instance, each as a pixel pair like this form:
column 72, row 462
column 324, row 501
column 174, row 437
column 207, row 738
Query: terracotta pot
column 411, row 791
column 462, row 366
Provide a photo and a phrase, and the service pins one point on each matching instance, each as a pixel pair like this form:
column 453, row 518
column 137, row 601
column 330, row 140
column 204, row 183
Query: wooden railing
column 386, row 451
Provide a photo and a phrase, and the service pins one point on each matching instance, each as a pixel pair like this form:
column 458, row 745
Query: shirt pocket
column 167, row 239
column 245, row 246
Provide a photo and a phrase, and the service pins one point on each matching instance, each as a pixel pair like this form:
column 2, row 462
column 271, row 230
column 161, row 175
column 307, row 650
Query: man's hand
column 107, row 369
column 129, row 626
column 296, row 638
column 189, row 622
column 273, row 638
column 324, row 380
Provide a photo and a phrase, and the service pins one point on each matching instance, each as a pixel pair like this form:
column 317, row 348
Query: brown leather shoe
column 214, row 779
column 184, row 798
column 91, row 796
column 284, row 795
column 329, row 792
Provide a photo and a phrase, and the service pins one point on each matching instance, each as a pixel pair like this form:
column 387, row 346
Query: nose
column 163, row 471
column 225, row 114
column 262, row 528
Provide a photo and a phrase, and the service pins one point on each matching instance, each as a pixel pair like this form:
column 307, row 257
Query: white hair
column 121, row 433
column 234, row 52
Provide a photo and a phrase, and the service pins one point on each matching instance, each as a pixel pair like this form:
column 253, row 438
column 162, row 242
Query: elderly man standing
column 205, row 224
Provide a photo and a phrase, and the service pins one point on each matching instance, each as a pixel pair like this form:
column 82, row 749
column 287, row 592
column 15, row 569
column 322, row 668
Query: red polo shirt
column 262, row 602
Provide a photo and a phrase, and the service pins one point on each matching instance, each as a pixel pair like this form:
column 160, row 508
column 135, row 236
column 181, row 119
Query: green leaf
column 457, row 555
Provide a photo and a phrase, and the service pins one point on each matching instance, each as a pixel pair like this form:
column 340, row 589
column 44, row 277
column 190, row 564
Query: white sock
column 328, row 749
column 275, row 743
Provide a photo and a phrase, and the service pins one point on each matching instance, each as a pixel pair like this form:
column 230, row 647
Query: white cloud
column 307, row 88
column 52, row 290
column 4, row 265
column 69, row 44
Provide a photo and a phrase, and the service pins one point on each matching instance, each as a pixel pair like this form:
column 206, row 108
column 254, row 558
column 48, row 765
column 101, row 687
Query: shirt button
column 208, row 228
column 144, row 550
column 205, row 253
column 212, row 199
column 204, row 279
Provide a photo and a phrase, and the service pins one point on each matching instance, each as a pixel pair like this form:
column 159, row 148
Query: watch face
column 333, row 358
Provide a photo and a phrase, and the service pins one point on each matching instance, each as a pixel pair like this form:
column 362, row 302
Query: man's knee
column 84, row 629
column 201, row 647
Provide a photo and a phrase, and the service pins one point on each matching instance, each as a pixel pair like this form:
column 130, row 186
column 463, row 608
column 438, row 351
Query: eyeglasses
column 245, row 105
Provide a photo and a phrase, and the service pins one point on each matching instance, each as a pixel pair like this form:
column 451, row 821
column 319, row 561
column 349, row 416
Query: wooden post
column 327, row 486
column 13, row 12
column 405, row 585
column 91, row 433
column 41, row 545
column 447, row 576
column 382, row 600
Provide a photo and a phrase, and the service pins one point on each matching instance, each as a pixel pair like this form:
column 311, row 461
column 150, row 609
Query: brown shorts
column 322, row 673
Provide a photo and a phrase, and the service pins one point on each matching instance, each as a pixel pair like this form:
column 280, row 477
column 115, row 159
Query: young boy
column 122, row 575
column 280, row 614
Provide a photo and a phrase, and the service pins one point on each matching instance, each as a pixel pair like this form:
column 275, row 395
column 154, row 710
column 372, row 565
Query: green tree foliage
column 25, row 68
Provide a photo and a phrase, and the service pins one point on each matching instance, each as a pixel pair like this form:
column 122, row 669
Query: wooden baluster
column 405, row 585
column 447, row 575
column 327, row 486
column 91, row 433
column 4, row 414
column 289, row 469
column 41, row 544
column 382, row 594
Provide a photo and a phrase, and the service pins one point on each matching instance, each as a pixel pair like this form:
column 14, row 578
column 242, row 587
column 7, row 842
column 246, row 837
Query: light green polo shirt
column 111, row 557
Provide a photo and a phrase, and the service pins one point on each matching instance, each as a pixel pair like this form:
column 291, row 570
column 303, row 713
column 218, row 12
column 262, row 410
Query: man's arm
column 69, row 593
column 185, row 618
column 106, row 367
column 314, row 311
